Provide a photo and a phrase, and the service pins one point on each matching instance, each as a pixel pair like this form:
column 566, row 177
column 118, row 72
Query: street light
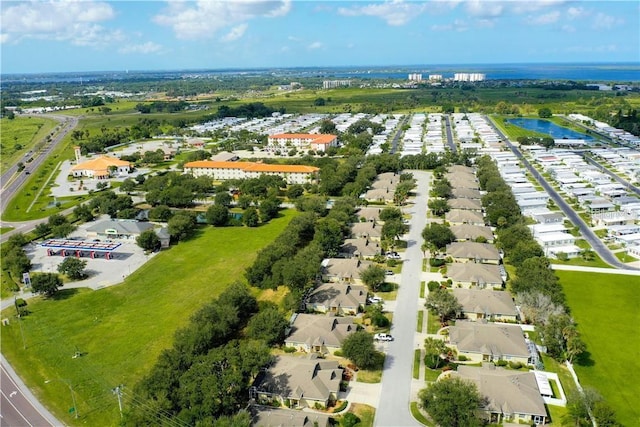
column 73, row 395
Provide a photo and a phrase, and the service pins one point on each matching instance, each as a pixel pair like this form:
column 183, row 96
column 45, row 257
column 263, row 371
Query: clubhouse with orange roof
column 305, row 141
column 222, row 171
column 102, row 167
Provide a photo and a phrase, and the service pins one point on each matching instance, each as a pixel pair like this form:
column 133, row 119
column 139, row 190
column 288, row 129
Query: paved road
column 598, row 246
column 395, row 397
column 622, row 181
column 449, row 132
column 399, row 132
column 18, row 407
column 11, row 187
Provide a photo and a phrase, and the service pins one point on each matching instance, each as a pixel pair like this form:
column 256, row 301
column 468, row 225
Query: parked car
column 389, row 273
column 393, row 255
column 374, row 300
column 383, row 337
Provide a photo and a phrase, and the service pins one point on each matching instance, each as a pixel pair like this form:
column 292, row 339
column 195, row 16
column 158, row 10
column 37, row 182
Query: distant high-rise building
column 332, row 84
column 415, row 77
column 469, row 77
column 435, row 77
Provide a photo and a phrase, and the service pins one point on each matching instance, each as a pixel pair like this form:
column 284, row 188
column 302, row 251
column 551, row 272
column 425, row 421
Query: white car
column 383, row 337
column 374, row 300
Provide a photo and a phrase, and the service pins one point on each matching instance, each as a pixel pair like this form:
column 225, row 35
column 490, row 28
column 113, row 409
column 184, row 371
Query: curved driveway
column 601, row 249
column 396, row 394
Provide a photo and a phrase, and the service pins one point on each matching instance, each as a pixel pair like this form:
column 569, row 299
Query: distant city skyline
column 89, row 35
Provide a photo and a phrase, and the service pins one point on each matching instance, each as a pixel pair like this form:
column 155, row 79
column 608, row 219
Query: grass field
column 605, row 307
column 121, row 330
column 26, row 132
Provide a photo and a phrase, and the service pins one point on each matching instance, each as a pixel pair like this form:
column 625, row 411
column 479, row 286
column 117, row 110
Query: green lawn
column 605, row 307
column 5, row 229
column 420, row 321
column 416, row 363
column 21, row 135
column 121, row 330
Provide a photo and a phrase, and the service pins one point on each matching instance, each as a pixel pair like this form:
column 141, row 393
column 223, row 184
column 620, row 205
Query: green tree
column 388, row 214
column 438, row 206
column 46, row 283
column 83, row 213
column 545, row 113
column 148, row 240
column 579, row 404
column 161, row 213
column 373, row 277
column 438, row 235
column 328, row 127
column 433, row 349
column 443, row 303
column 269, row 208
column 128, row 185
column 250, row 217
column 16, row 261
column 452, row 402
column 294, row 191
column 223, row 198
column 358, row 347
column 181, row 225
column 328, row 234
column 217, row 215
column 268, row 325
column 42, row 229
column 63, row 230
column 73, row 267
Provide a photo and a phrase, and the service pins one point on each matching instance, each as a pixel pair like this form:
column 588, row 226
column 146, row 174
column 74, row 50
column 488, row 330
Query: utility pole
column 118, row 392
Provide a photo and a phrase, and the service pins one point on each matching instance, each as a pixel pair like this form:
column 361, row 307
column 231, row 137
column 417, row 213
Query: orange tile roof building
column 99, row 168
column 306, row 141
column 222, row 171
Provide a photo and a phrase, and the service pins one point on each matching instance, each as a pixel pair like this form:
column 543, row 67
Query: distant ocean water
column 602, row 72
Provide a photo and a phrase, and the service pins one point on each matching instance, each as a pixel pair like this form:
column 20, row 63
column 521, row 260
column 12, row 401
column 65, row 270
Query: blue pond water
column 549, row 128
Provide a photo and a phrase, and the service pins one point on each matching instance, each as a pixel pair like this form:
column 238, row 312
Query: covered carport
column 80, row 249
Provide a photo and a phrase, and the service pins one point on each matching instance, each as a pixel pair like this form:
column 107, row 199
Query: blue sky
column 92, row 35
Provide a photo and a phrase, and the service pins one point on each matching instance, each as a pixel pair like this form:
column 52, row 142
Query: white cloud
column 576, row 12
column 605, row 22
column 235, row 33
column 545, row 19
column 143, row 48
column 4, row 38
column 395, row 12
column 592, row 49
column 315, row 45
column 204, row 18
column 521, row 7
column 71, row 20
column 485, row 9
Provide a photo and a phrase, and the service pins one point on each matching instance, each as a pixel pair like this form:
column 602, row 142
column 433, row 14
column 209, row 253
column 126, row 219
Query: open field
column 605, row 307
column 122, row 329
column 24, row 132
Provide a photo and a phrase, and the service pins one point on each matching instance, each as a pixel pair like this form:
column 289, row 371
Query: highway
column 598, row 246
column 11, row 182
column 16, row 407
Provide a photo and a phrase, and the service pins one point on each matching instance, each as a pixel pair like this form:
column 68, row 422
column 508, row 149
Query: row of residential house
column 613, row 133
column 608, row 202
column 311, row 381
column 489, row 331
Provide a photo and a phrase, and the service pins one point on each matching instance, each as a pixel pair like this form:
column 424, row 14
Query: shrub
column 433, row 285
column 501, row 363
column 349, row 420
column 392, row 263
column 462, row 358
column 515, row 365
column 289, row 349
column 437, row 262
column 344, row 402
column 338, row 353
